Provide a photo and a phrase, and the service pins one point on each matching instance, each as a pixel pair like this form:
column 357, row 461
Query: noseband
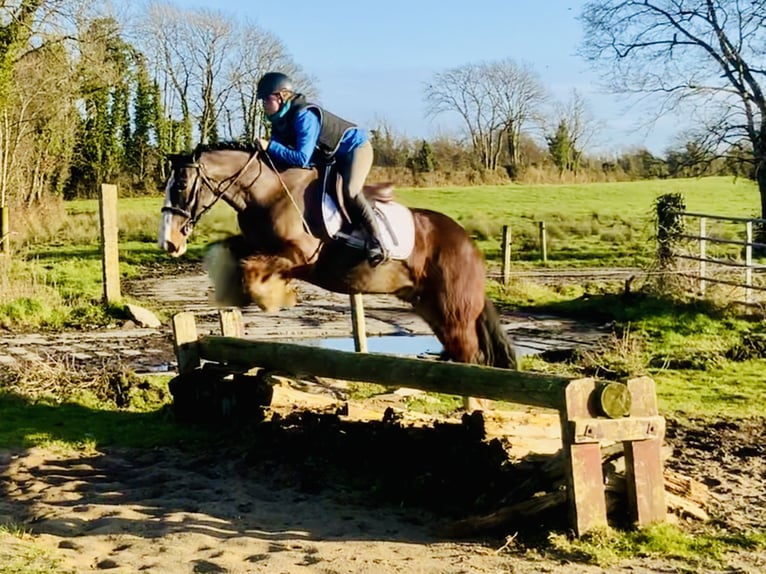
column 219, row 190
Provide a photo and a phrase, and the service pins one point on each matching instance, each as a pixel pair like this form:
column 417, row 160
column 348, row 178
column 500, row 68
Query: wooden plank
column 450, row 378
column 109, row 243
column 645, row 484
column 506, row 517
column 584, row 474
column 231, row 323
column 643, row 397
column 185, row 342
column 586, row 483
column 643, row 460
column 631, row 428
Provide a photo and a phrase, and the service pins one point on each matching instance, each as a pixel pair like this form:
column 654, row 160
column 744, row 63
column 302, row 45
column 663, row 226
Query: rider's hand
column 264, row 143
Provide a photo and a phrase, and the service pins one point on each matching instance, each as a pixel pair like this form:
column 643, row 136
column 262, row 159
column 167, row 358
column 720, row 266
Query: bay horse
column 443, row 277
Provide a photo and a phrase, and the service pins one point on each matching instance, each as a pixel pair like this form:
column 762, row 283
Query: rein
column 306, row 227
column 218, row 190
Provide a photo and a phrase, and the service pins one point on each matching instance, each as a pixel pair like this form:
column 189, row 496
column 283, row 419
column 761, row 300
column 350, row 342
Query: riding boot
column 376, row 253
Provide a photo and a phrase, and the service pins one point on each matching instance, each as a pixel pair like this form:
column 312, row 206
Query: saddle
column 328, row 218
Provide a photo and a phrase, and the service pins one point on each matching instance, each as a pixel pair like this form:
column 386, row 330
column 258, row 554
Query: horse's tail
column 494, row 343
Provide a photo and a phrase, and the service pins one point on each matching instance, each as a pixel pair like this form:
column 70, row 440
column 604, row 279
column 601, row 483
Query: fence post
column 5, row 230
column 185, row 342
column 358, row 327
column 543, row 242
column 748, row 261
column 506, row 254
column 231, row 322
column 109, row 243
column 703, row 255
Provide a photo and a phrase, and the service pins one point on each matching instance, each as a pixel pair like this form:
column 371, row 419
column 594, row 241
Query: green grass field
column 586, row 225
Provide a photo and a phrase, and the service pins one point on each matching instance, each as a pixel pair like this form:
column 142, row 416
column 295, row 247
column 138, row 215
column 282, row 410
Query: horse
column 443, row 276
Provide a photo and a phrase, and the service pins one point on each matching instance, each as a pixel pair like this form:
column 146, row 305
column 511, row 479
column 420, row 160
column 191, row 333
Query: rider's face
column 272, row 103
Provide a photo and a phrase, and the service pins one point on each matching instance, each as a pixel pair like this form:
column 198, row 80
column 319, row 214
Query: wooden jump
column 591, row 412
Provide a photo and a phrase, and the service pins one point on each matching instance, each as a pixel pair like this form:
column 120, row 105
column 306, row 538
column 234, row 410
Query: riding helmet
column 273, row 82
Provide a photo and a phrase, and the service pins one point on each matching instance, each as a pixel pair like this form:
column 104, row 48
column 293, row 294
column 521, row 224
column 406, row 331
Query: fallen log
column 506, row 517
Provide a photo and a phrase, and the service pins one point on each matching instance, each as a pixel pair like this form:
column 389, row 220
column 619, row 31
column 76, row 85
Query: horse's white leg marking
column 164, row 232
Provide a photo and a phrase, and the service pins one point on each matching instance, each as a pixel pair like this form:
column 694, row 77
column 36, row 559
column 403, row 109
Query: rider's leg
column 353, row 175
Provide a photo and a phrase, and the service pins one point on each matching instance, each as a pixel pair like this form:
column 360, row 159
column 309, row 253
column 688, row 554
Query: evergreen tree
column 423, row 160
column 141, row 153
column 561, row 148
column 105, row 73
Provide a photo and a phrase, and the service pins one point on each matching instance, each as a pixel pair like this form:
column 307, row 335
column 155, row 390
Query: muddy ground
column 321, row 492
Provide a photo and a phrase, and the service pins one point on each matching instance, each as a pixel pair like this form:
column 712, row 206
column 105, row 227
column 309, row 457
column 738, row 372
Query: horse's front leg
column 266, row 282
column 240, row 278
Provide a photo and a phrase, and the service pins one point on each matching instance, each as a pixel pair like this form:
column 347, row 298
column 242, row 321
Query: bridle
column 218, row 189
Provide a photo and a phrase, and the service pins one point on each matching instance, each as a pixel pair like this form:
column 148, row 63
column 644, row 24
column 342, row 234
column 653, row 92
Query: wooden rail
column 590, row 412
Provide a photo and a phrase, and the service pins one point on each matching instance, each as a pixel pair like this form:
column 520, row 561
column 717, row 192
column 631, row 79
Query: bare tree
column 260, row 51
column 495, row 100
column 519, row 95
column 194, row 52
column 701, row 56
column 208, row 65
column 36, row 95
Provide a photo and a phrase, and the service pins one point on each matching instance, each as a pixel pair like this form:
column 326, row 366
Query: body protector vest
column 331, row 132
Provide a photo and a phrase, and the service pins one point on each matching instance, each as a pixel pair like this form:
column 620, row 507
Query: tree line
column 88, row 97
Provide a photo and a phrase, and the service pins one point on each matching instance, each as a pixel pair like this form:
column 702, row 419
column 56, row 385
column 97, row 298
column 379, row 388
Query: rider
column 303, row 134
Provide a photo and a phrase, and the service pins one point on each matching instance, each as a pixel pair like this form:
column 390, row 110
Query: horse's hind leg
column 458, row 336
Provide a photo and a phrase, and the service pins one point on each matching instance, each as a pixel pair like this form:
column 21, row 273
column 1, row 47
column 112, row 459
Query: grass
column 72, row 425
column 695, row 551
column 706, row 360
column 586, row 224
column 19, row 555
column 54, row 278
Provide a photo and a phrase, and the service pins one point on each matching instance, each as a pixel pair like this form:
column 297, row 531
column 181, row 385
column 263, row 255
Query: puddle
column 408, row 345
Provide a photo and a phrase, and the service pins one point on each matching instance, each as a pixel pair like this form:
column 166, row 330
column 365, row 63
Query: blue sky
column 372, row 59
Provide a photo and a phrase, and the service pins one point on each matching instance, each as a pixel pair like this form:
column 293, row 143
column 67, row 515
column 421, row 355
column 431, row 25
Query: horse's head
column 198, row 181
column 185, row 202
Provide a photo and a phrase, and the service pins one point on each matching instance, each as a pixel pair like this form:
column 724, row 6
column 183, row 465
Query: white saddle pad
column 395, row 221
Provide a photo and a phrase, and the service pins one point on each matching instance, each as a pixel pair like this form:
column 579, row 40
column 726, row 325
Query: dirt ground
column 316, row 492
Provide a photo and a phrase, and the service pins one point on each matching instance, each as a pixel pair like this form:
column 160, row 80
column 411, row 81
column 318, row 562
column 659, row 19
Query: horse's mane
column 225, row 145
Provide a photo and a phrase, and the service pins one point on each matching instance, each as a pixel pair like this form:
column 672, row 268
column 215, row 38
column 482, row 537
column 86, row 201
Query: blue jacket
column 304, row 130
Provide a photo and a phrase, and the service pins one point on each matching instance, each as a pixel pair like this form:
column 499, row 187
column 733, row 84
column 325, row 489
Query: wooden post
column 231, row 322
column 185, row 342
column 703, row 256
column 643, row 459
column 506, row 254
column 5, row 230
column 358, row 327
column 543, row 242
column 585, row 477
column 109, row 243
column 749, row 261
column 641, row 433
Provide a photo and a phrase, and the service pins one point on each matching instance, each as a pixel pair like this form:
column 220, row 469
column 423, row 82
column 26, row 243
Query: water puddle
column 407, row 345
